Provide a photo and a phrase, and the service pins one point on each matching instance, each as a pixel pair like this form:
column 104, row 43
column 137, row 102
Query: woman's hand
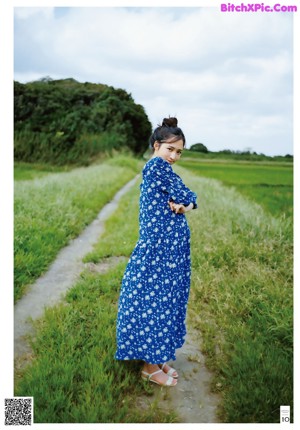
column 180, row 208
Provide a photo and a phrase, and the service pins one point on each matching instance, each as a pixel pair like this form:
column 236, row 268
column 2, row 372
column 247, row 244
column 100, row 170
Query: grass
column 241, row 302
column 241, row 298
column 269, row 184
column 27, row 171
column 74, row 377
column 242, row 157
column 51, row 210
column 121, row 230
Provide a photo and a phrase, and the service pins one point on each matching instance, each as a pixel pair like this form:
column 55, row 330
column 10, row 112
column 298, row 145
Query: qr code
column 18, row 411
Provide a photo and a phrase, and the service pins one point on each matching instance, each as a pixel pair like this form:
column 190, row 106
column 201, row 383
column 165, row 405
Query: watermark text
column 256, row 7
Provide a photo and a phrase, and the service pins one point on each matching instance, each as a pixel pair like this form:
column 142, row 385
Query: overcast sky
column 226, row 76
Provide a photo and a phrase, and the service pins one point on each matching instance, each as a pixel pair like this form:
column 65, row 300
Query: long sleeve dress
column 156, row 283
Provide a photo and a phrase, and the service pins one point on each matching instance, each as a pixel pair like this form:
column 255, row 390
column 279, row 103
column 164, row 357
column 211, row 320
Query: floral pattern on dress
column 156, row 283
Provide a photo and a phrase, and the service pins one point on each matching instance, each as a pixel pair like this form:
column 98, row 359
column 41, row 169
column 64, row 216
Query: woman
column 156, row 283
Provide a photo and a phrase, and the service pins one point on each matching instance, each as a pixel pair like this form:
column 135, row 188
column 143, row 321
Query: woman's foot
column 153, row 373
column 168, row 370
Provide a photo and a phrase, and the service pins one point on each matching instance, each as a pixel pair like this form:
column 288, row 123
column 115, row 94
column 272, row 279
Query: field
column 241, row 304
column 268, row 183
column 53, row 208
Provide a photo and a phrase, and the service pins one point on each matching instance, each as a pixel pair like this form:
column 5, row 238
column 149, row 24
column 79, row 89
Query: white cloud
column 228, row 77
column 32, row 12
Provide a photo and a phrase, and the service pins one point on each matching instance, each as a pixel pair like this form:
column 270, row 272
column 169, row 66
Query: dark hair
column 168, row 129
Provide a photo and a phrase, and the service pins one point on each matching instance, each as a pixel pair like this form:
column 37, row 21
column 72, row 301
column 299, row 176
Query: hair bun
column 169, row 122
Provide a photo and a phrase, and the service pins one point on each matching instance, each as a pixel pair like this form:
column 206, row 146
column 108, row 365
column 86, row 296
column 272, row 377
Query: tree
column 61, row 121
column 199, row 147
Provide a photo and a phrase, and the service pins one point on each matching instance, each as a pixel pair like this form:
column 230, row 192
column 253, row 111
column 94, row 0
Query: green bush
column 199, row 147
column 65, row 121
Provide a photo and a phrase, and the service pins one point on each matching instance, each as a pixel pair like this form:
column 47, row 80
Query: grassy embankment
column 241, row 302
column 53, row 208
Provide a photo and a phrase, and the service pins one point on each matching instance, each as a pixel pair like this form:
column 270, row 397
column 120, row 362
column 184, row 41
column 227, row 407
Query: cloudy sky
column 228, row 77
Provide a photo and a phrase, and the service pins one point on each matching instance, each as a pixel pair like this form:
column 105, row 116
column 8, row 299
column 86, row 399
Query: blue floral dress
column 156, row 282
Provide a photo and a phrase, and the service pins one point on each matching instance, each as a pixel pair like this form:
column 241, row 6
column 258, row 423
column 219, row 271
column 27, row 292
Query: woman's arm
column 160, row 174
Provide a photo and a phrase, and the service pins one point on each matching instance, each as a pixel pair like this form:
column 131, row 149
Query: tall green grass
column 26, row 171
column 74, row 377
column 241, row 304
column 121, row 230
column 51, row 210
column 241, row 296
column 269, row 184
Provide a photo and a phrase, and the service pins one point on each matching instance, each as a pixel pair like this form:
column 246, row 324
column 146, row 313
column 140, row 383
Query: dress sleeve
column 161, row 175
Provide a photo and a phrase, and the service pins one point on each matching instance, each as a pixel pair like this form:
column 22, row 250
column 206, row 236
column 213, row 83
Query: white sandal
column 170, row 372
column 147, row 377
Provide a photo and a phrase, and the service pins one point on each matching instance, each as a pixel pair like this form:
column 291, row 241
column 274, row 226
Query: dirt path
column 61, row 276
column 191, row 399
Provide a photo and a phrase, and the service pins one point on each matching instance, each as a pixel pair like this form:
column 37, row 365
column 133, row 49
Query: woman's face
column 169, row 151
